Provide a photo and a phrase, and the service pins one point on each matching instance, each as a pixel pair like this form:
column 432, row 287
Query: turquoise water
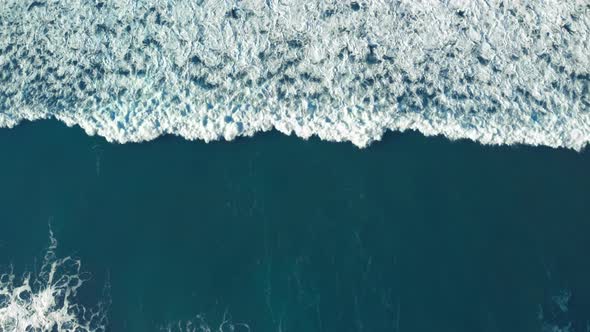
column 411, row 234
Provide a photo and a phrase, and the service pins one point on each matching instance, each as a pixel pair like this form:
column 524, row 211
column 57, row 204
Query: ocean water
column 457, row 198
column 411, row 234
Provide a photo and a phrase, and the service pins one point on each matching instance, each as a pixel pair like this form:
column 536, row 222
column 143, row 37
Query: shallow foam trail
column 200, row 324
column 47, row 301
column 497, row 72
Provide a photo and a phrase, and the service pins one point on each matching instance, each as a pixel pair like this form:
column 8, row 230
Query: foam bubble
column 47, row 301
column 492, row 71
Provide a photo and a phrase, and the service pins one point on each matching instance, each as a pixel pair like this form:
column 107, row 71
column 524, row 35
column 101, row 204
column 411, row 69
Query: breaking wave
column 47, row 301
column 497, row 72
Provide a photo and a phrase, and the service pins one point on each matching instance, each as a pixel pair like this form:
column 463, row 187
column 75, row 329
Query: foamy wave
column 47, row 301
column 497, row 72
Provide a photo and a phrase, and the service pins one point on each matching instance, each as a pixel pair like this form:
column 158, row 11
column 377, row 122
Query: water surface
column 411, row 234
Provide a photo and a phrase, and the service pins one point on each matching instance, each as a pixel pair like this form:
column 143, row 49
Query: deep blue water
column 411, row 234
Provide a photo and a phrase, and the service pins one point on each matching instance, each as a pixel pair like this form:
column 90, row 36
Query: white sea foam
column 47, row 301
column 497, row 72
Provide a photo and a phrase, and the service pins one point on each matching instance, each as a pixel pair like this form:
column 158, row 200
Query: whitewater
column 496, row 72
column 47, row 300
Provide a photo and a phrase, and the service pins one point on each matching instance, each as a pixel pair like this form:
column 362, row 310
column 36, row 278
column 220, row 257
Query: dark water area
column 410, row 234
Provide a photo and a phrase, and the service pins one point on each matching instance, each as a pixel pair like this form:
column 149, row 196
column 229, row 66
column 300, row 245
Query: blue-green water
column 411, row 234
